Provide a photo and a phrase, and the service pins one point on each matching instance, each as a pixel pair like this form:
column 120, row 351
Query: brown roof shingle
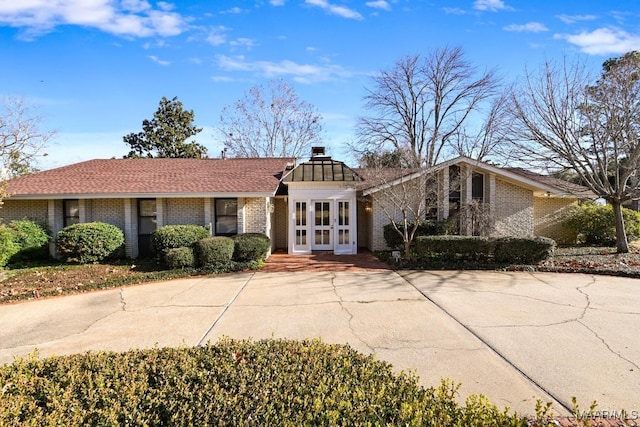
column 154, row 176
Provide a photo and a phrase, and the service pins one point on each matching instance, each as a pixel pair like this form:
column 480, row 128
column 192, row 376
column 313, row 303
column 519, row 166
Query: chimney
column 317, row 152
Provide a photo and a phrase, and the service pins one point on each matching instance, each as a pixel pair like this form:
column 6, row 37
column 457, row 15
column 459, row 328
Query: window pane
column 227, row 207
column 147, row 208
column 72, row 208
column 477, row 186
column 227, row 225
column 147, row 225
column 325, row 213
column 301, row 213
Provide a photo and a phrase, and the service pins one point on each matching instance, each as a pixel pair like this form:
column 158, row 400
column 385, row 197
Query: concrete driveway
column 514, row 337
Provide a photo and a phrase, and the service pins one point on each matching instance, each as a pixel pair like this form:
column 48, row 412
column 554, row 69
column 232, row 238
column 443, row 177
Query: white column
column 444, row 193
column 130, row 250
column 160, row 212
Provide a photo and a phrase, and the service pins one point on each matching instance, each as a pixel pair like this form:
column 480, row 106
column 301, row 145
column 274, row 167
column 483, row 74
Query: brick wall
column 513, row 210
column 13, row 210
column 255, row 215
column 110, row 211
column 549, row 213
column 183, row 211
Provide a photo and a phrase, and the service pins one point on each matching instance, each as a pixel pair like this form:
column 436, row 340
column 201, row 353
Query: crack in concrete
column 123, row 302
column 346, row 310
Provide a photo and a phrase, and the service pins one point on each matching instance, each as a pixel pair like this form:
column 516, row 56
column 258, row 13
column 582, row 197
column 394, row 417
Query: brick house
column 320, row 204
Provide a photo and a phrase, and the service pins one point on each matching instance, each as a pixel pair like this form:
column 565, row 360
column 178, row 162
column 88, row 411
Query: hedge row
column 90, row 242
column 475, row 248
column 393, row 238
column 232, row 383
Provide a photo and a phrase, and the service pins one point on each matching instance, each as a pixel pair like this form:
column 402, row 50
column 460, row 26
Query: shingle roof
column 569, row 187
column 322, row 169
column 154, row 176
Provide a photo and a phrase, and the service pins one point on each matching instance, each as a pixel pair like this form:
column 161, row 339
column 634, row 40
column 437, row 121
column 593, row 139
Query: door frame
column 326, row 228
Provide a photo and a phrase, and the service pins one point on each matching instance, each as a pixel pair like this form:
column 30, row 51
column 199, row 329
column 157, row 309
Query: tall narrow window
column 477, row 187
column 147, row 224
column 301, row 223
column 226, row 217
column 71, row 211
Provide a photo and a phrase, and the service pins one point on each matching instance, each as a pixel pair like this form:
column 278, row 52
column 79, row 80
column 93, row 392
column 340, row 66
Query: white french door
column 343, row 227
column 322, row 234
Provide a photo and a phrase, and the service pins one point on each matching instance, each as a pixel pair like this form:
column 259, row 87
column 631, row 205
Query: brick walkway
column 323, row 261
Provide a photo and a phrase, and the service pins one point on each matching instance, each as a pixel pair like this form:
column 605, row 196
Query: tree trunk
column 622, row 245
column 407, row 250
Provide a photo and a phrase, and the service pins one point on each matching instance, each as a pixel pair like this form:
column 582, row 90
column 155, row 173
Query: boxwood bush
column 393, row 239
column 461, row 247
column 250, row 247
column 214, row 253
column 180, row 258
column 523, row 249
column 231, row 383
column 176, row 236
column 90, row 242
column 475, row 248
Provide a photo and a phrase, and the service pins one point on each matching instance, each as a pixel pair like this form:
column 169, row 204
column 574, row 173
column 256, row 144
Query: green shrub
column 180, row 258
column 251, row 247
column 595, row 225
column 90, row 242
column 31, row 238
column 8, row 248
column 393, row 239
column 215, row 252
column 232, row 383
column 176, row 236
column 523, row 249
column 461, row 247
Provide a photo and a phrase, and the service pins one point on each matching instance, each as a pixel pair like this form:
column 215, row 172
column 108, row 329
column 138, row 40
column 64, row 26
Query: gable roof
column 108, row 178
column 535, row 182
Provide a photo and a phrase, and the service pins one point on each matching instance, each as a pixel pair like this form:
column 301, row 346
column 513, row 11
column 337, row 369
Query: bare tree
column 270, row 123
column 403, row 196
column 559, row 122
column 421, row 104
column 22, row 139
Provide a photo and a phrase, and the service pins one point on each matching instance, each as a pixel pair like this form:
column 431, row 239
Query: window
column 477, row 187
column 71, row 211
column 226, row 217
column 301, row 223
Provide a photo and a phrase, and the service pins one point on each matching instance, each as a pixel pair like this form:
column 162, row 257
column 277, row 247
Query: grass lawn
column 58, row 279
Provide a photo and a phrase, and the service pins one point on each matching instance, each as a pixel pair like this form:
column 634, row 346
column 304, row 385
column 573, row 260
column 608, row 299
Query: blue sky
column 97, row 68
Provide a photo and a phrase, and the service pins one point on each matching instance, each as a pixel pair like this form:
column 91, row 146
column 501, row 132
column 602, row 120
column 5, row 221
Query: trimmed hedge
column 180, row 258
column 523, row 249
column 250, row 247
column 215, row 252
column 476, row 248
column 463, row 247
column 90, row 242
column 176, row 236
column 232, row 383
column 393, row 239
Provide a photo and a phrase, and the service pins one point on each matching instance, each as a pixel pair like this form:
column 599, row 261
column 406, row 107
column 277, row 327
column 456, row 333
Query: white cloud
column 243, row 42
column 491, row 5
column 379, row 4
column 137, row 18
column 301, row 73
column 572, row 19
column 217, row 35
column 603, row 41
column 531, row 27
column 454, row 11
column 233, row 11
column 158, row 60
column 342, row 11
